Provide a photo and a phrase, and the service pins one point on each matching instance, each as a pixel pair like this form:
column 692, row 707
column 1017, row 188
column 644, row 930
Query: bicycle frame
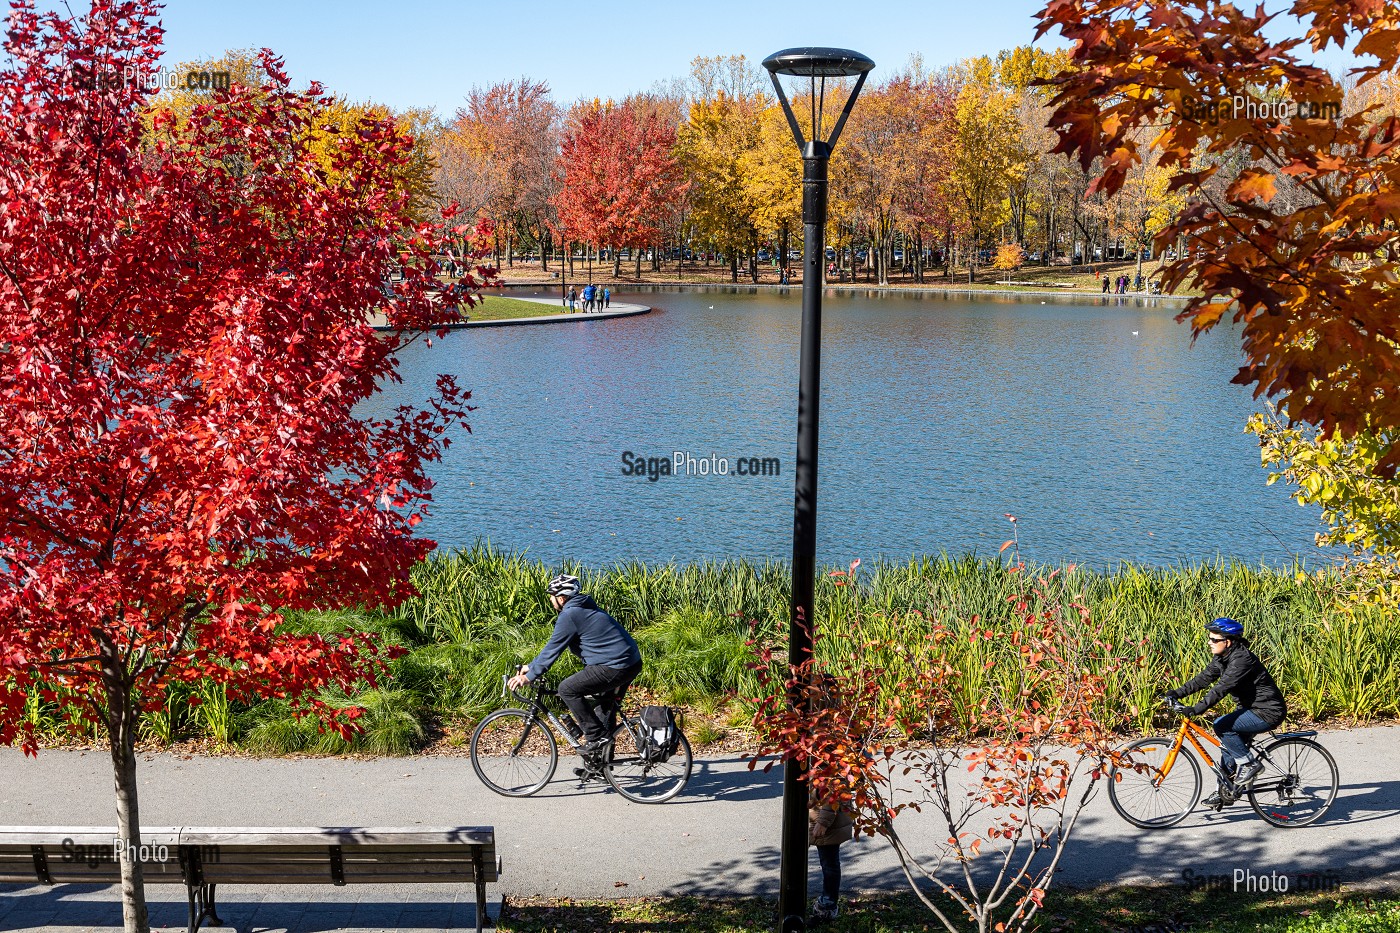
column 539, row 713
column 1192, row 732
column 1189, row 732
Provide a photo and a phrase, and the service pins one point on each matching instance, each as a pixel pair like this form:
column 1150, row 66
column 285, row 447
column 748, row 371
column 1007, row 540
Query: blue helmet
column 1227, row 627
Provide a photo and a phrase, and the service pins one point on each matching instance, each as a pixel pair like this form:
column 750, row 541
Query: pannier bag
column 660, row 733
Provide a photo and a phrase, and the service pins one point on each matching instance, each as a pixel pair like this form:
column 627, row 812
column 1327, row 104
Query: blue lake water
column 1099, row 426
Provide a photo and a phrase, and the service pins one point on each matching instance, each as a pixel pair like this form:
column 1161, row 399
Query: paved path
column 720, row 838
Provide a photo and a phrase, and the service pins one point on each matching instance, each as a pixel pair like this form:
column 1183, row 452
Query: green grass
column 1120, row 910
column 501, row 308
column 483, row 611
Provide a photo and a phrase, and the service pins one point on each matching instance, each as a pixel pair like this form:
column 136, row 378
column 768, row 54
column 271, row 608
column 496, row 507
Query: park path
column 719, row 838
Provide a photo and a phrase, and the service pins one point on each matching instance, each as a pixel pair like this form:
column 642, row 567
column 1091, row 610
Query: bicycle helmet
column 564, row 585
column 1227, row 627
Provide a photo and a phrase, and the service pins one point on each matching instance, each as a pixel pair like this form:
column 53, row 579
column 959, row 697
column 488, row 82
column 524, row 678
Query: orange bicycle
column 1162, row 783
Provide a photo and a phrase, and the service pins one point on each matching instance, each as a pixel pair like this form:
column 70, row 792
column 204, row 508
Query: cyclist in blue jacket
column 610, row 657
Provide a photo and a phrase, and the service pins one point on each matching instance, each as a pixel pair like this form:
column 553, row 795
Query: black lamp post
column 816, row 64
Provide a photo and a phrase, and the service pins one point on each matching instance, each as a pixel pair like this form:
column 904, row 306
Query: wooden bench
column 203, row 858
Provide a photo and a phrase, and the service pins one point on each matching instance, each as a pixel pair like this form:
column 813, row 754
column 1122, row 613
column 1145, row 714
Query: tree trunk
column 544, row 254
column 734, row 266
column 639, row 265
column 617, row 263
column 121, row 740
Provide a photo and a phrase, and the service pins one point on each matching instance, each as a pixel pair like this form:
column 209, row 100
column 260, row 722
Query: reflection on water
column 940, row 414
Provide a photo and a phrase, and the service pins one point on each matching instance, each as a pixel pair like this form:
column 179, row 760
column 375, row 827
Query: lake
column 1098, row 425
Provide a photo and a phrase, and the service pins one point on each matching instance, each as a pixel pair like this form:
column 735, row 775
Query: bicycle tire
column 1286, row 767
column 643, row 782
column 535, row 762
column 1128, row 788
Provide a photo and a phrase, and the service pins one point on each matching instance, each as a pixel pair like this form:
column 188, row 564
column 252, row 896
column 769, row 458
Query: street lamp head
column 810, row 61
column 816, row 64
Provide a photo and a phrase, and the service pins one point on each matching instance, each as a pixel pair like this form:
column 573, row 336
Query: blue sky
column 431, row 52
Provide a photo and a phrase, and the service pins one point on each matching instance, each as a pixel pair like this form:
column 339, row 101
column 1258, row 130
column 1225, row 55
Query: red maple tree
column 184, row 338
column 619, row 175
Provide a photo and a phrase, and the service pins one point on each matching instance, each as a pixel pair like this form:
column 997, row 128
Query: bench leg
column 480, row 905
column 202, row 906
column 214, row 920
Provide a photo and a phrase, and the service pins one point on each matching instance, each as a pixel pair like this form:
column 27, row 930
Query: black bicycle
column 515, row 752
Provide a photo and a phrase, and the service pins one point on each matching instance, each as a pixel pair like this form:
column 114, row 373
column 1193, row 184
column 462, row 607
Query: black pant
column 593, row 680
column 830, row 857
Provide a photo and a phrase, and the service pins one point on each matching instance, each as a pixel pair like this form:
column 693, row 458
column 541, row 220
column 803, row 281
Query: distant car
column 763, row 255
column 899, row 255
column 830, row 254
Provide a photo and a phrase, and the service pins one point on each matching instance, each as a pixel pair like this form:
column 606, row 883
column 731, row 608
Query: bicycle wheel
column 514, row 753
column 1298, row 783
column 639, row 780
column 1145, row 798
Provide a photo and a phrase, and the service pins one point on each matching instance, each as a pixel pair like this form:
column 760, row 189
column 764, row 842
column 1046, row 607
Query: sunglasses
column 1216, row 641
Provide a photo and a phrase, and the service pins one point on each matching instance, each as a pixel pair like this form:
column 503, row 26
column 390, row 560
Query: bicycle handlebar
column 1176, row 706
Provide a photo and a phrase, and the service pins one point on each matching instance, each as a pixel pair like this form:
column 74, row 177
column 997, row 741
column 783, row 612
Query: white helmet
column 564, row 585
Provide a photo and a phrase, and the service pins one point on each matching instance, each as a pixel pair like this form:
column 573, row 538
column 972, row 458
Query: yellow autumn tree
column 771, row 178
column 984, row 155
column 1144, row 206
column 712, row 145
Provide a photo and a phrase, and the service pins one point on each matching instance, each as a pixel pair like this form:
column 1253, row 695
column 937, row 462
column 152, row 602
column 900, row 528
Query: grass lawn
column 1166, row 909
column 502, row 308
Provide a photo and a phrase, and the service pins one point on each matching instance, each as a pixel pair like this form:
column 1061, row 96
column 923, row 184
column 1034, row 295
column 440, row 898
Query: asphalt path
column 719, row 838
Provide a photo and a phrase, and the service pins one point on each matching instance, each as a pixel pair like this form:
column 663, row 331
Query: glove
column 1199, row 708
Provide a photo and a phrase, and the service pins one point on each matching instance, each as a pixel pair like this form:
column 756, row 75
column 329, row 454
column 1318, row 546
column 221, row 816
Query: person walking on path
column 607, row 297
column 1105, row 285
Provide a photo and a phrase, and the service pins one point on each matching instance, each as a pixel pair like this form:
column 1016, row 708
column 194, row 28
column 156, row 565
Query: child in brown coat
column 828, row 825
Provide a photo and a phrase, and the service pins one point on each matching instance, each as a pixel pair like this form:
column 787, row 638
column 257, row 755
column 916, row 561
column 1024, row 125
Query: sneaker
column 1219, row 800
column 825, row 909
column 1247, row 772
column 587, row 774
column 592, row 752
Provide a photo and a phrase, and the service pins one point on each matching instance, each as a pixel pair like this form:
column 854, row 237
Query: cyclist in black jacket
column 1259, row 704
column 610, row 657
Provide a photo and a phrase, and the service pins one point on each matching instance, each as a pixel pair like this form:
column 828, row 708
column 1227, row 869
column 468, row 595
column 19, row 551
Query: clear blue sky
column 430, row 52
